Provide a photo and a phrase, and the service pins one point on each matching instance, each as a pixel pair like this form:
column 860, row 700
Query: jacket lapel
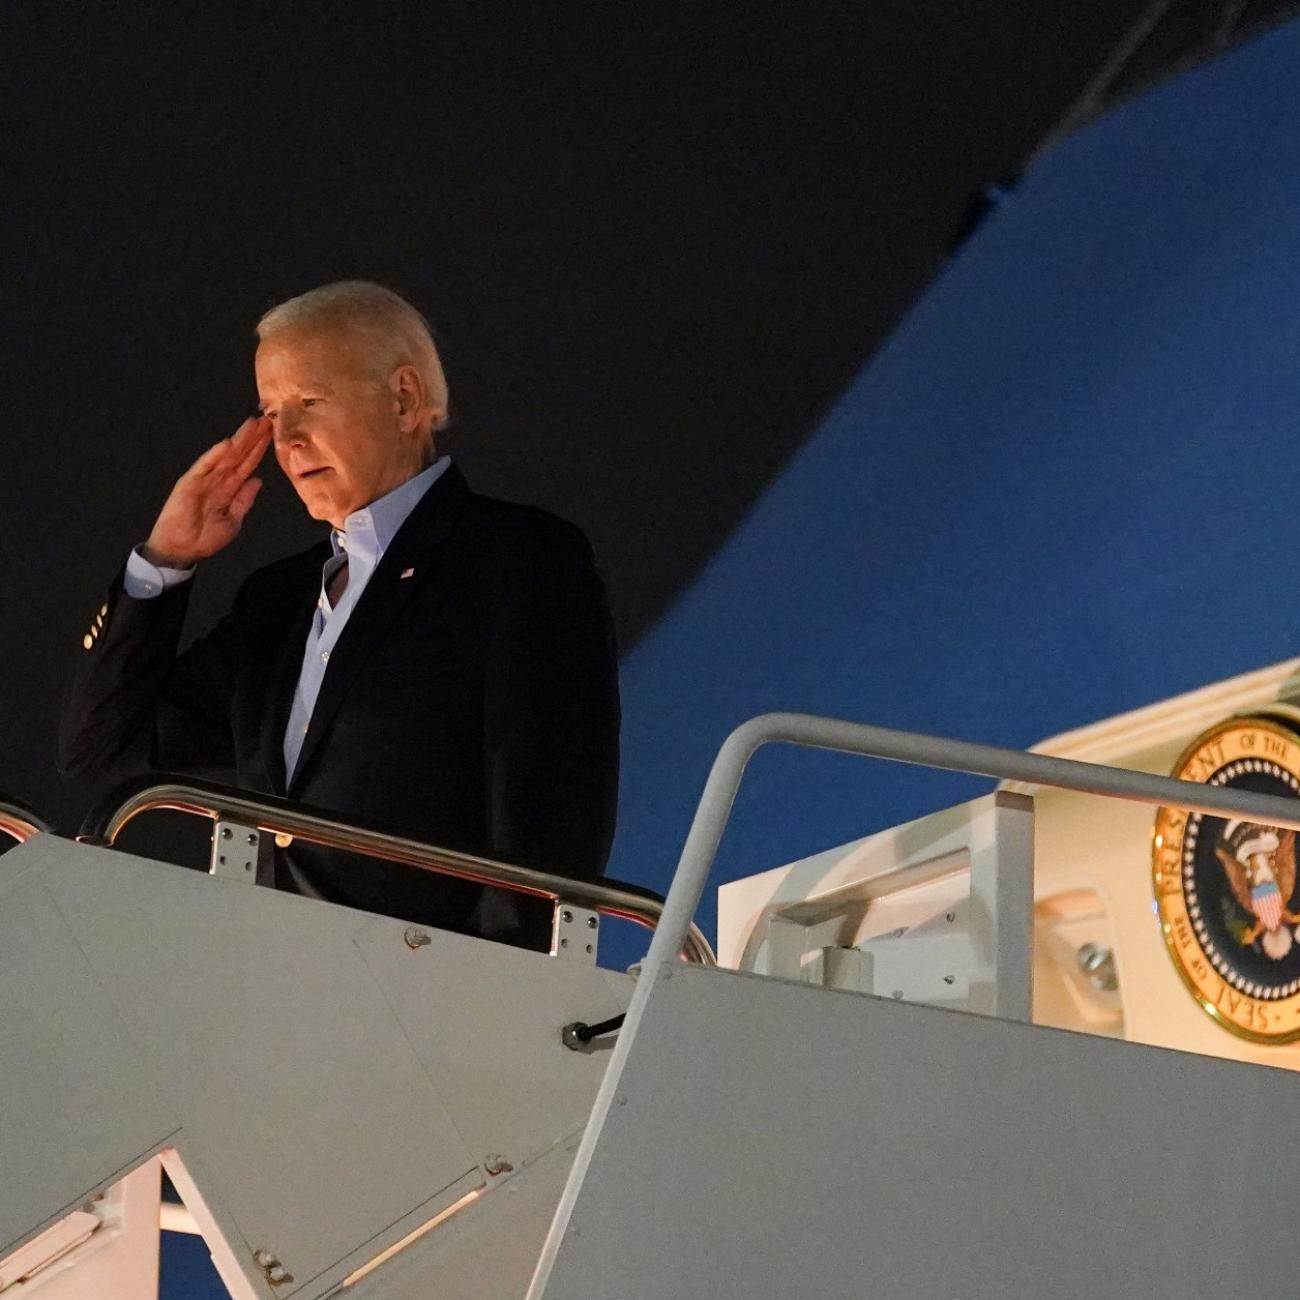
column 381, row 603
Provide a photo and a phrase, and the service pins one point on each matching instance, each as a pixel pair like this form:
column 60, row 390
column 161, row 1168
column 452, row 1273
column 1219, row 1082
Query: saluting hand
column 207, row 506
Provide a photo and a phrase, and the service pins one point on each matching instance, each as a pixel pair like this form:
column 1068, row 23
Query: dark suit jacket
column 473, row 704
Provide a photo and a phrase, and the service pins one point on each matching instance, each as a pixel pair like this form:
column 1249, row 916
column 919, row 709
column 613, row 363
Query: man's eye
column 310, row 401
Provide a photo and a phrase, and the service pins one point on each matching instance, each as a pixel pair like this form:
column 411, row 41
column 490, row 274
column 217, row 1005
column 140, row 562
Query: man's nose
column 288, row 428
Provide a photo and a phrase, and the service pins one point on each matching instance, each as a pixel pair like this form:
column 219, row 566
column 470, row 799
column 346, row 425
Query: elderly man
column 443, row 665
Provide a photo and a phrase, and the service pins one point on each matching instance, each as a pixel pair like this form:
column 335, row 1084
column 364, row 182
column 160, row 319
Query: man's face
column 342, row 434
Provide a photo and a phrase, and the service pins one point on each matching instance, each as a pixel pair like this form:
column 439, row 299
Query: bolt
column 566, row 916
column 564, row 943
column 950, row 917
column 264, row 1259
column 277, row 1276
column 590, row 948
column 1092, row 955
column 591, row 923
column 1098, row 963
column 497, row 1164
column 225, row 832
column 252, row 837
column 416, row 938
column 949, row 979
column 222, row 859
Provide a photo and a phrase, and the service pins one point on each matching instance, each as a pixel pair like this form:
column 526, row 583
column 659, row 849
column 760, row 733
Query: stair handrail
column 18, row 821
column 153, row 792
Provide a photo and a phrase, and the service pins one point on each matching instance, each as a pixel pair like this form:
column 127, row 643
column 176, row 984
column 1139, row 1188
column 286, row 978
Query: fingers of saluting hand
column 252, row 440
column 242, row 502
column 228, row 455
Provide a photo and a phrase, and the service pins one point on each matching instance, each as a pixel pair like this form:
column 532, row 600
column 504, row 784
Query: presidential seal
column 1225, row 889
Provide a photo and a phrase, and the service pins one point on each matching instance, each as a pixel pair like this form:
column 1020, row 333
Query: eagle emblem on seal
column 1260, row 863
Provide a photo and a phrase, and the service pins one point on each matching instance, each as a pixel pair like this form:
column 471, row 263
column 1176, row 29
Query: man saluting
column 443, row 665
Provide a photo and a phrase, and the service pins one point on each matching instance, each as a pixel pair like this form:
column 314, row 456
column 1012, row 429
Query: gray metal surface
column 328, row 1088
column 874, row 742
column 488, row 1035
column 78, row 1104
column 773, row 1140
column 489, row 1254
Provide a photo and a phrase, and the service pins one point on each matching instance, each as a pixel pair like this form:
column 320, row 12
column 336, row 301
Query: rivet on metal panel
column 592, row 922
column 252, row 837
column 949, row 979
column 950, row 917
column 497, row 1164
column 225, row 832
column 416, row 938
column 566, row 916
column 274, row 1272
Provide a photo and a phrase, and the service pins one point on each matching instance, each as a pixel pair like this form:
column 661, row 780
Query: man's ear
column 407, row 387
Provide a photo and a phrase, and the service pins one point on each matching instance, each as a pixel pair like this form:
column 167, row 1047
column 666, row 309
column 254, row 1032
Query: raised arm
column 133, row 703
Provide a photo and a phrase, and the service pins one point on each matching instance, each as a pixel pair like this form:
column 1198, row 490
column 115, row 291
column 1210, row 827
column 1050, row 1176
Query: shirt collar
column 367, row 532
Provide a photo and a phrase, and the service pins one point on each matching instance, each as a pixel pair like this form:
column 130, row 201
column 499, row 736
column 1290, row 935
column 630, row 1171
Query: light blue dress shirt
column 365, row 537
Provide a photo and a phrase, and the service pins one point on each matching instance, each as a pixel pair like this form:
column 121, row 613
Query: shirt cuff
column 144, row 580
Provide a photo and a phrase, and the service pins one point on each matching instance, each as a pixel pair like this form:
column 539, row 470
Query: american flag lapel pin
column 408, row 573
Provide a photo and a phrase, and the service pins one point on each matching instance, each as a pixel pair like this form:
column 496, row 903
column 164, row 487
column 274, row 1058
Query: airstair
column 857, row 1104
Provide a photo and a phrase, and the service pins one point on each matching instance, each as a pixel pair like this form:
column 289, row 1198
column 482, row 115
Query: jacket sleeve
column 551, row 713
column 134, row 704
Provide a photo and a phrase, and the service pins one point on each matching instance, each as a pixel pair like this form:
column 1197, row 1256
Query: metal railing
column 923, row 751
column 18, row 821
column 279, row 817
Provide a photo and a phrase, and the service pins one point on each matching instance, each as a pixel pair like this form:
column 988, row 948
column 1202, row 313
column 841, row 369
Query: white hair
column 396, row 334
